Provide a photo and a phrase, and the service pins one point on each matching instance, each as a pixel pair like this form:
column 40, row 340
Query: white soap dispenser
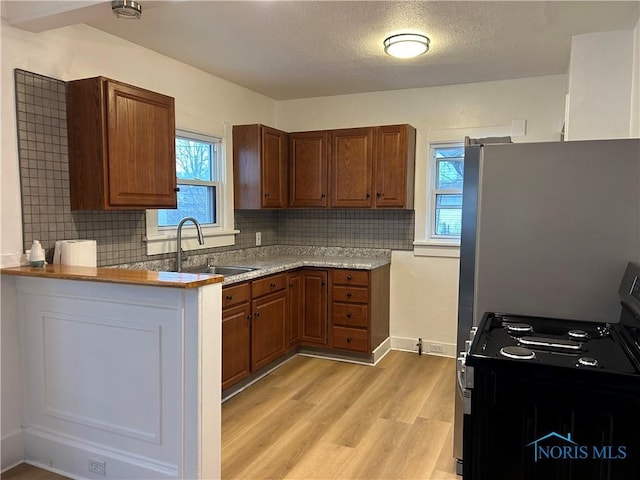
column 36, row 255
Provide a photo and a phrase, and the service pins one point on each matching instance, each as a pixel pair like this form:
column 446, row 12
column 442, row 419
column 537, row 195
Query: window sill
column 435, row 248
column 167, row 243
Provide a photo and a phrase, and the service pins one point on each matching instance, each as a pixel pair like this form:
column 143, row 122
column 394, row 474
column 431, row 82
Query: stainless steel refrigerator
column 547, row 228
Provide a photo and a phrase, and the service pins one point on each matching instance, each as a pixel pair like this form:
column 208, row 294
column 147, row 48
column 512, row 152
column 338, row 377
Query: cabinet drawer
column 270, row 284
column 351, row 277
column 349, row 315
column 350, row 294
column 350, row 339
column 235, row 295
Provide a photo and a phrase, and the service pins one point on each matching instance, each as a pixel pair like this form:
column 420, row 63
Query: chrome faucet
column 179, row 252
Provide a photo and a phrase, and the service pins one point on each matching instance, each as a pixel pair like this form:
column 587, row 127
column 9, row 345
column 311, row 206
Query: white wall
column 600, row 85
column 203, row 103
column 424, row 289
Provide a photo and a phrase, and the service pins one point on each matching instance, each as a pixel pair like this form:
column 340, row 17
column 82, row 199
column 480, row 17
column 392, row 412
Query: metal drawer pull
column 348, row 294
column 348, row 339
column 272, row 285
column 348, row 315
column 349, row 277
column 229, row 297
column 257, row 314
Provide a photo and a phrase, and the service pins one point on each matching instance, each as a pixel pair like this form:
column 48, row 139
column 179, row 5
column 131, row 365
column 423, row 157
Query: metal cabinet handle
column 291, row 285
column 348, row 315
column 249, row 317
column 378, row 194
column 229, row 297
column 348, row 339
column 322, row 195
column 266, row 195
column 257, row 314
column 322, row 284
column 177, row 189
column 348, row 294
column 348, row 277
column 272, row 285
column 368, row 195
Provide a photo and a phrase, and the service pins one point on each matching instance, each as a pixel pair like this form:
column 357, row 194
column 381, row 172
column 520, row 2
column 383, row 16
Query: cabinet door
column 269, row 329
column 296, row 308
column 141, row 146
column 352, row 156
column 274, row 168
column 394, row 166
column 236, row 338
column 308, row 165
column 314, row 325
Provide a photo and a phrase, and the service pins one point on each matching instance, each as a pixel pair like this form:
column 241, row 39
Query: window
column 198, row 171
column 202, row 165
column 447, row 173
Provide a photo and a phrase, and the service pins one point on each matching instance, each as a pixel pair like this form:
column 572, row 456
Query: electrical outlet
column 258, row 239
column 98, row 466
column 436, row 348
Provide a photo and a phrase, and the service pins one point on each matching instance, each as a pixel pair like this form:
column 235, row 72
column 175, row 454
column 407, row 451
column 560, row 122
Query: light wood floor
column 322, row 419
column 28, row 472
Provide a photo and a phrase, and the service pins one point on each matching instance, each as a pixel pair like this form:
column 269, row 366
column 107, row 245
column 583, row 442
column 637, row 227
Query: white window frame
column 432, row 237
column 222, row 233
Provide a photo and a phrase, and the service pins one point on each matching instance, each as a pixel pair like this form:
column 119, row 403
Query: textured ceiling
column 291, row 49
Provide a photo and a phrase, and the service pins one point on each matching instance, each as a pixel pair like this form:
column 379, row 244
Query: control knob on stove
column 587, row 362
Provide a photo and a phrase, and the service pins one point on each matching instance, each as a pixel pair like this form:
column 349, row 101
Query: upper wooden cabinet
column 352, row 156
column 308, row 169
column 121, row 146
column 259, row 167
column 395, row 166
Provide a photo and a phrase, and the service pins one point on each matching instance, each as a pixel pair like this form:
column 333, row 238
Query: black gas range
column 549, row 398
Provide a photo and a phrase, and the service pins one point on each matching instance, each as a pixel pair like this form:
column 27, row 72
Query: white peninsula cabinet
column 120, row 371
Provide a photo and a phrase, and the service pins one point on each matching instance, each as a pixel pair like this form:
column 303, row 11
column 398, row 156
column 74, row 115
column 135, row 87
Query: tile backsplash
column 47, row 215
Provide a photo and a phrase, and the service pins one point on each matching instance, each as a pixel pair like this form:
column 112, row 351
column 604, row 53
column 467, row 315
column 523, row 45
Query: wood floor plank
column 25, row 471
column 345, row 421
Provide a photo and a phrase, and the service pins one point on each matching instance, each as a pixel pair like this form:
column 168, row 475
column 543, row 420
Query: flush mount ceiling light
column 126, row 9
column 406, row 45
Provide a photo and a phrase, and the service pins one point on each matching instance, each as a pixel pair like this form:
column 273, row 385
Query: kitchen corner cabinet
column 260, row 158
column 359, row 309
column 121, row 146
column 395, row 166
column 308, row 169
column 352, row 155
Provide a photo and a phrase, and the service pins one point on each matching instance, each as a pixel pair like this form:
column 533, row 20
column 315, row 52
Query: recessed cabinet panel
column 296, row 308
column 121, row 146
column 268, row 330
column 308, row 169
column 395, row 164
column 352, row 157
column 314, row 325
column 260, row 158
column 236, row 338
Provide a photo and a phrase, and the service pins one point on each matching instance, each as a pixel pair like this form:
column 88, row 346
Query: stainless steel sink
column 227, row 271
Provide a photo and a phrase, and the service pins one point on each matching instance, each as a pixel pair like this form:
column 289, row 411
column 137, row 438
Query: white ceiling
column 299, row 49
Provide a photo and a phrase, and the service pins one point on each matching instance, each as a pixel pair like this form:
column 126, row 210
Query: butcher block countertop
column 116, row 275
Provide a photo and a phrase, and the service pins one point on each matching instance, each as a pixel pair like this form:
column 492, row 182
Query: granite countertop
column 115, row 275
column 277, row 258
column 281, row 263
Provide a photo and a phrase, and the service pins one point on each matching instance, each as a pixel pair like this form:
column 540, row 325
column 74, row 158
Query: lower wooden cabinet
column 359, row 309
column 236, row 338
column 341, row 309
column 268, row 329
column 314, row 320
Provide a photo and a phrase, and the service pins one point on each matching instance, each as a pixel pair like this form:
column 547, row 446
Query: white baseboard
column 12, row 450
column 70, row 457
column 428, row 346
